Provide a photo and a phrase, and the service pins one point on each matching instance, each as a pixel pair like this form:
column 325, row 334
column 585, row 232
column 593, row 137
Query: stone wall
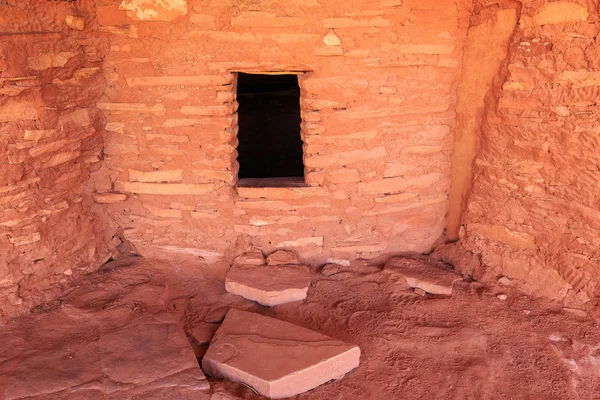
column 50, row 141
column 378, row 108
column 534, row 208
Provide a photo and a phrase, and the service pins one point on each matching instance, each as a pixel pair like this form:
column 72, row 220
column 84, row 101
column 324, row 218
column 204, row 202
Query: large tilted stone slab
column 276, row 358
column 433, row 279
column 269, row 285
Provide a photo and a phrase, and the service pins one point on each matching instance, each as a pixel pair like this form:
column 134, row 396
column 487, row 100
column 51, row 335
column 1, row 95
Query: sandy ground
column 472, row 345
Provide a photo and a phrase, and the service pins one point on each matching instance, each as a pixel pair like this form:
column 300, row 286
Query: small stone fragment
column 269, row 285
column 505, row 281
column 418, row 274
column 252, row 257
column 276, row 358
column 282, row 257
column 331, row 39
column 502, row 296
column 330, row 269
column 420, row 292
column 75, row 22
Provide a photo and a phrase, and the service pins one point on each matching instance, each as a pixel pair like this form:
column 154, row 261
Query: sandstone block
column 208, row 110
column 196, row 80
column 207, row 21
column 282, row 257
column 168, row 138
column 24, row 240
column 255, row 192
column 157, row 109
column 152, row 10
column 301, row 242
column 561, row 12
column 163, row 212
column 258, row 19
column 252, row 257
column 393, row 185
column 163, row 188
column 269, row 285
column 14, row 110
column 75, row 22
column 175, row 175
column 343, row 158
column 497, row 233
column 331, row 39
column 333, row 23
column 414, row 48
column 327, row 51
column 276, row 358
column 109, row 198
column 61, row 158
column 38, row 134
column 430, row 278
column 279, row 205
column 579, row 79
column 49, row 60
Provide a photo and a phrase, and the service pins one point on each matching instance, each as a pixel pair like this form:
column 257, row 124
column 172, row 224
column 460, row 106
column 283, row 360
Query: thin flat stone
column 282, row 257
column 269, row 285
column 430, row 278
column 252, row 257
column 276, row 358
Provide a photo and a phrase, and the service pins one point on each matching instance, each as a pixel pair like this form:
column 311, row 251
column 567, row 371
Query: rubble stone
column 432, row 279
column 282, row 257
column 276, row 358
column 269, row 285
column 252, row 257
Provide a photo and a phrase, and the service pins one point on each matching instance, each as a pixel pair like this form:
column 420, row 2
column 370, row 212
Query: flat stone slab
column 430, row 278
column 269, row 285
column 276, row 358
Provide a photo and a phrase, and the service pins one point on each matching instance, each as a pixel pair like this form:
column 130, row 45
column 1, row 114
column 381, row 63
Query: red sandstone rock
column 75, row 22
column 276, row 358
column 269, row 285
column 282, row 257
column 203, row 333
column 430, row 278
column 252, row 257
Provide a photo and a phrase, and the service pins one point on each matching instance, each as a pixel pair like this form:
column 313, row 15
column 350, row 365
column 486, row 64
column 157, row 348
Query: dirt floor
column 119, row 333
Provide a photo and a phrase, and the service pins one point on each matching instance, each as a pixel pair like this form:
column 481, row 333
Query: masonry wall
column 50, row 141
column 377, row 103
column 533, row 212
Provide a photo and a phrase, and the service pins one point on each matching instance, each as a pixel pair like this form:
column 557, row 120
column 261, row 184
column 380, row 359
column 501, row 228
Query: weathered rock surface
column 269, row 285
column 431, row 278
column 276, row 358
column 282, row 257
column 112, row 341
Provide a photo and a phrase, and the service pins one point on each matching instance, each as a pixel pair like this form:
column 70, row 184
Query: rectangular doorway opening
column 269, row 139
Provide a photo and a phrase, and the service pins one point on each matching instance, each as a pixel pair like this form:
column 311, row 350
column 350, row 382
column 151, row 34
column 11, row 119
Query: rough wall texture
column 534, row 209
column 378, row 110
column 50, row 140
